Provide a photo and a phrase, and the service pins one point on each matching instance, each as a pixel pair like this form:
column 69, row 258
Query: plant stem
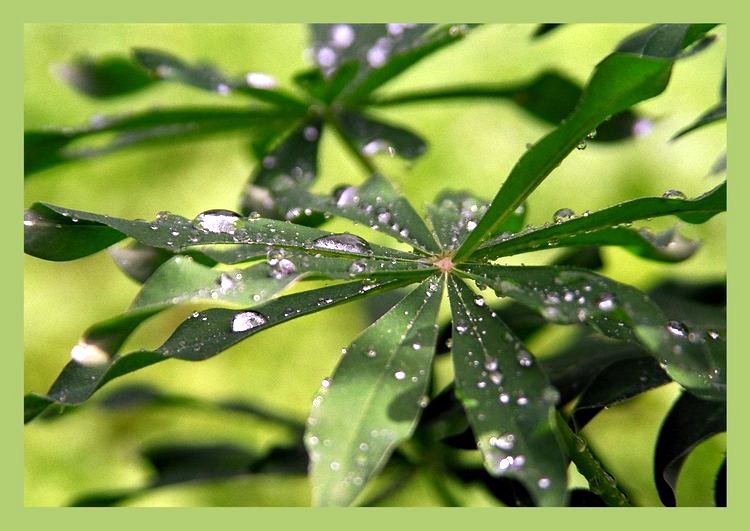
column 600, row 481
column 464, row 92
column 364, row 161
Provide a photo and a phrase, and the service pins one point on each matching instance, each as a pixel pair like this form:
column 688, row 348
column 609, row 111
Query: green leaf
column 139, row 261
column 373, row 136
column 550, row 97
column 203, row 335
column 690, row 421
column 104, row 77
column 507, row 398
column 620, row 81
column 663, row 40
column 327, row 89
column 455, row 213
column 694, row 358
column 292, row 164
column 617, row 382
column 44, row 149
column 374, row 398
column 53, row 233
column 602, row 227
column 714, row 114
column 375, row 203
column 396, row 53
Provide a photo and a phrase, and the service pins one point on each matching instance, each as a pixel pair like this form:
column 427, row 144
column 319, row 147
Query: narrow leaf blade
column 507, row 398
column 374, row 398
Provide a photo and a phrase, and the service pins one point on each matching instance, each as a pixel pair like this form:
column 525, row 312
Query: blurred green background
column 473, row 145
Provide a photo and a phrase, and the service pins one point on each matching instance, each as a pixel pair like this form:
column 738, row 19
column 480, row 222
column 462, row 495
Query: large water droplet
column 247, row 320
column 677, row 328
column 260, row 81
column 345, row 196
column 606, row 302
column 88, row 354
column 342, row 35
column 343, row 243
column 326, row 57
column 504, row 442
column 279, row 265
column 564, row 214
column 674, row 194
column 217, row 221
column 544, row 483
column 357, row 267
column 399, row 375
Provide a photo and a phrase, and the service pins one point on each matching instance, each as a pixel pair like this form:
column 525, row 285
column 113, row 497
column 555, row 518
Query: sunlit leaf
column 619, row 81
column 690, row 421
column 374, row 397
column 507, row 398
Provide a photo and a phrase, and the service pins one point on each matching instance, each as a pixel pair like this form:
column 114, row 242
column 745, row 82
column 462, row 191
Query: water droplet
column 676, row 328
column 326, row 383
column 504, row 442
column 490, row 364
column 674, row 194
column 377, row 55
column 471, row 225
column 345, row 196
column 713, row 334
column 416, row 346
column 522, row 400
column 524, row 359
column 343, row 243
column 581, row 145
column 217, row 221
column 244, row 321
column 399, row 375
column 326, row 57
column 503, row 398
column 335, row 465
column 550, row 395
column 606, row 302
column 591, row 135
column 260, row 81
column 88, row 354
column 544, row 483
column 223, row 89
column 481, row 384
column 461, row 329
column 564, row 214
column 642, row 127
column 458, row 30
column 342, row 35
column 310, row 133
column 279, row 265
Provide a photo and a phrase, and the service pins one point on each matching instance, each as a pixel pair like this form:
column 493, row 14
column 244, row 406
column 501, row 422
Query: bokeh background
column 473, row 145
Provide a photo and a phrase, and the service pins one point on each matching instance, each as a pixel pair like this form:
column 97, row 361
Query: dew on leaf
column 677, row 328
column 674, row 194
column 343, row 243
column 563, row 214
column 88, row 354
column 217, row 221
column 244, row 321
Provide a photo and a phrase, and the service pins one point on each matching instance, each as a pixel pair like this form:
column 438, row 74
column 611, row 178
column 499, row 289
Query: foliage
column 381, row 411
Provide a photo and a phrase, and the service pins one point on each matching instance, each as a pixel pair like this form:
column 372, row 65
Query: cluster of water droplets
column 279, row 264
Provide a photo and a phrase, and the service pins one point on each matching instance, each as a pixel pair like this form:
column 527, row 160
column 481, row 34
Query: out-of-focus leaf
column 104, row 77
column 715, row 113
column 606, row 225
column 543, row 29
column 202, row 335
column 57, row 233
column 550, row 97
column 372, row 136
column 292, row 164
column 455, row 213
column 663, row 40
column 720, row 166
column 327, row 89
column 720, row 486
column 507, row 490
column 375, row 203
column 44, row 149
column 167, row 66
column 690, row 421
column 616, row 383
column 373, row 399
column 694, row 358
column 619, row 81
column 507, row 398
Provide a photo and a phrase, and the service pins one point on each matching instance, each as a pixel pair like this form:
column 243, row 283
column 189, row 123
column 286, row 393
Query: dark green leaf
column 169, row 67
column 327, row 89
column 104, row 77
column 544, row 29
column 663, row 40
column 53, row 233
column 616, row 383
column 694, row 358
column 205, row 334
column 291, row 165
column 720, row 486
column 375, row 203
column 715, row 113
column 690, row 421
column 507, row 398
column 550, row 97
column 44, row 149
column 620, row 81
column 374, row 397
column 603, row 227
column 455, row 213
column 585, row 498
column 376, row 136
